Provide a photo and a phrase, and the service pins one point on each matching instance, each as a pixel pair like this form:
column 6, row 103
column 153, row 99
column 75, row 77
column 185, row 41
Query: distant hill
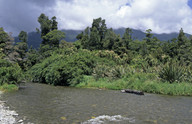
column 137, row 34
column 34, row 38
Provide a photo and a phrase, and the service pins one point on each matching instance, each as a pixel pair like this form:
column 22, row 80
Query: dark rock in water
column 22, row 87
column 132, row 91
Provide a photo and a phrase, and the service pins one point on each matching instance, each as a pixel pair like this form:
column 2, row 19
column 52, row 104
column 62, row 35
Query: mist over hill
column 34, row 38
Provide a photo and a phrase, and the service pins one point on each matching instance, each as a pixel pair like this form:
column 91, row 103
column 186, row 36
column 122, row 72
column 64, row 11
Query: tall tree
column 6, row 43
column 149, row 36
column 4, row 37
column 53, row 38
column 94, row 37
column 23, row 36
column 98, row 31
column 184, row 48
column 100, row 26
column 94, row 41
column 85, row 36
column 54, row 23
column 22, row 47
column 109, row 40
column 49, row 32
column 127, row 37
column 181, row 39
column 45, row 24
column 151, row 42
column 118, row 46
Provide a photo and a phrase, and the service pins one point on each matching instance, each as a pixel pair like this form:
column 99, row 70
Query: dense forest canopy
column 98, row 52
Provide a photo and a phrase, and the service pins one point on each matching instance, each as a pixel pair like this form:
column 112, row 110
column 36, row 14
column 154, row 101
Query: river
column 45, row 104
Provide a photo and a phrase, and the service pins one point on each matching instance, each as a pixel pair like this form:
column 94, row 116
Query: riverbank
column 7, row 116
column 145, row 83
column 8, row 87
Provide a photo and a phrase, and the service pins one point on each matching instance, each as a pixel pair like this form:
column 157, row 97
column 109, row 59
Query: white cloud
column 79, row 13
column 162, row 16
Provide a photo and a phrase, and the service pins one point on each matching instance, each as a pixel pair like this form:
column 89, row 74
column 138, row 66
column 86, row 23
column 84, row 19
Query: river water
column 45, row 104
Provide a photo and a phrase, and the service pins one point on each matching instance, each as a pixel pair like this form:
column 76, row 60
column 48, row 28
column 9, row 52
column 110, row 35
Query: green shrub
column 112, row 72
column 67, row 66
column 188, row 75
column 10, row 73
column 109, row 55
column 63, row 69
column 172, row 72
column 8, row 87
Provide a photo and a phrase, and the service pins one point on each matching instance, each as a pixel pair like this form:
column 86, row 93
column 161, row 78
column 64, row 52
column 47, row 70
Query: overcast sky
column 162, row 16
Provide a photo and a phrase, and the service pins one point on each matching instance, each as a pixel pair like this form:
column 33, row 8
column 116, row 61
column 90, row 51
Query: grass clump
column 8, row 87
column 174, row 72
column 139, row 81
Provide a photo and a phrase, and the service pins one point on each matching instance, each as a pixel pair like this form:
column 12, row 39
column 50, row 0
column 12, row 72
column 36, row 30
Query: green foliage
column 99, row 52
column 49, row 32
column 118, row 46
column 100, row 26
column 94, row 41
column 62, row 69
column 6, row 45
column 172, row 72
column 10, row 73
column 112, row 72
column 139, row 81
column 32, row 57
column 23, row 36
column 109, row 40
column 4, row 37
column 127, row 37
column 111, row 56
column 63, row 44
column 54, row 23
column 53, row 38
column 184, row 48
column 21, row 51
column 8, row 87
column 93, row 38
column 45, row 24
column 1, row 54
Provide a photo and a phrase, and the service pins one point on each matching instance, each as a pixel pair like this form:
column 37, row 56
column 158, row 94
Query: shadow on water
column 45, row 104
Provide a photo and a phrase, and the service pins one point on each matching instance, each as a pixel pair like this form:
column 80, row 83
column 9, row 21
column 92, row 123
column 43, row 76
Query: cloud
column 82, row 12
column 17, row 15
column 162, row 16
column 79, row 14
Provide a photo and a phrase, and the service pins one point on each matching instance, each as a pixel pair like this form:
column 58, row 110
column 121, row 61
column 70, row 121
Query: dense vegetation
column 99, row 58
column 34, row 38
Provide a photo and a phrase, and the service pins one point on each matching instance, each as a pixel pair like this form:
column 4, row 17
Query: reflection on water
column 44, row 104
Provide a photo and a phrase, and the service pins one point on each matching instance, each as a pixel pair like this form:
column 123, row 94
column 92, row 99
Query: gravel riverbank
column 7, row 116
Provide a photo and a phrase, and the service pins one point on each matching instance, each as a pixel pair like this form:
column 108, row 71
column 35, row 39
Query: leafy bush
column 63, row 69
column 68, row 66
column 110, row 55
column 112, row 72
column 10, row 73
column 188, row 74
column 172, row 72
